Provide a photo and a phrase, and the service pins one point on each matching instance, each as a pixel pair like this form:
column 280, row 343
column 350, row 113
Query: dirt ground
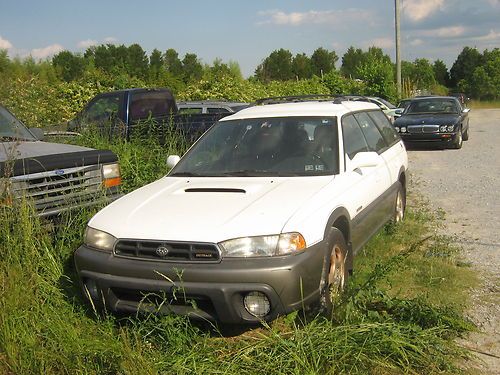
column 465, row 183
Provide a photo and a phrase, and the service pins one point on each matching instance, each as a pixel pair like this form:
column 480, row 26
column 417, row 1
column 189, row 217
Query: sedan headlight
column 98, row 239
column 443, row 128
column 264, row 246
column 403, row 129
column 450, row 128
column 397, row 128
column 111, row 175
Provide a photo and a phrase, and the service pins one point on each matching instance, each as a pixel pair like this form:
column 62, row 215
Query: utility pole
column 398, row 47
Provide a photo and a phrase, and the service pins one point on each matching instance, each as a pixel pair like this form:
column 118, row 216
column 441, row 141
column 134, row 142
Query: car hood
column 208, row 209
column 427, row 119
column 31, row 149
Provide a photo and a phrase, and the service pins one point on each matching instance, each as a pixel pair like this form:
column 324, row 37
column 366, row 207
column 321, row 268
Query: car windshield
column 433, row 106
column 279, row 146
column 11, row 129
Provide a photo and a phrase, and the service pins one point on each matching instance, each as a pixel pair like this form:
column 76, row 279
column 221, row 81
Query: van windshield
column 276, row 146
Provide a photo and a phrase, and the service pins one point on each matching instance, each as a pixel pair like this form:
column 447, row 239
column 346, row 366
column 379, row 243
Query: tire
column 465, row 136
column 458, row 141
column 335, row 273
column 399, row 205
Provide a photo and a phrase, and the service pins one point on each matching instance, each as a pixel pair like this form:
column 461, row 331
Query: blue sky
column 248, row 31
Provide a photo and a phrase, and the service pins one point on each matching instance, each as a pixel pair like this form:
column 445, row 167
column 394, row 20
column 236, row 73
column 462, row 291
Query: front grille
column 59, row 189
column 168, row 251
column 423, row 129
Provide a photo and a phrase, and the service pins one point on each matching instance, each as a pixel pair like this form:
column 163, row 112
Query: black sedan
column 439, row 120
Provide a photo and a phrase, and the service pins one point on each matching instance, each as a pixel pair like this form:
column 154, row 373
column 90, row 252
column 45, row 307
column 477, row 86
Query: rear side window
column 102, row 109
column 151, row 103
column 388, row 132
column 354, row 141
column 373, row 136
column 217, row 110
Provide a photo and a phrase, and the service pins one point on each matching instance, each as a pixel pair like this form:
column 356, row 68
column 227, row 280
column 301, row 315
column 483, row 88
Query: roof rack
column 336, row 99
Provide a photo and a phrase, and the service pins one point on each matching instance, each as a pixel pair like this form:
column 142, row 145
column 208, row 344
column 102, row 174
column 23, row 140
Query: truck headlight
column 98, row 239
column 111, row 175
column 264, row 246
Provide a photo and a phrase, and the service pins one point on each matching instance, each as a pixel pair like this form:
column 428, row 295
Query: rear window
column 151, row 104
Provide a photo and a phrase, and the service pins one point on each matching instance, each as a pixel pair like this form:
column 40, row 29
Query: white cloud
column 110, row 39
column 5, row 44
column 418, row 10
column 444, row 32
column 383, row 43
column 331, row 17
column 491, row 36
column 87, row 43
column 416, row 42
column 42, row 53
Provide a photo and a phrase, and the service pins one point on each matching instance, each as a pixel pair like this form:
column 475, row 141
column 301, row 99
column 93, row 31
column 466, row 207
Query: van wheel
column 335, row 273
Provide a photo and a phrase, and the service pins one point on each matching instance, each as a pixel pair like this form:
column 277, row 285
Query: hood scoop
column 214, row 190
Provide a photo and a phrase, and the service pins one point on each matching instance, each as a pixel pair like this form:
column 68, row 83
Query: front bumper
column 436, row 138
column 212, row 291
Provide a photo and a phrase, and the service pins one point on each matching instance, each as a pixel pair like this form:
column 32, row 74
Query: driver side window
column 103, row 109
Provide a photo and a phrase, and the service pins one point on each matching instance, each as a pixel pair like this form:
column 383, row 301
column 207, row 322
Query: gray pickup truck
column 56, row 177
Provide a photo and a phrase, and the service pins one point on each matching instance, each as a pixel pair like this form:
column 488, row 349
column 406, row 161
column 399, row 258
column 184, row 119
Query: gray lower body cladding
column 212, row 291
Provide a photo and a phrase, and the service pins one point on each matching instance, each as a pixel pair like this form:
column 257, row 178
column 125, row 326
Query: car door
column 366, row 183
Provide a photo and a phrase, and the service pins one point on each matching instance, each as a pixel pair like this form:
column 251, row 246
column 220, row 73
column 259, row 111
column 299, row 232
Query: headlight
column 442, row 128
column 111, row 175
column 264, row 246
column 397, row 128
column 450, row 128
column 403, row 129
column 98, row 239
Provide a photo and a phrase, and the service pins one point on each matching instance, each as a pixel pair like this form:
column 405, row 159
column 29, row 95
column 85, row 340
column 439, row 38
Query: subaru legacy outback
column 261, row 217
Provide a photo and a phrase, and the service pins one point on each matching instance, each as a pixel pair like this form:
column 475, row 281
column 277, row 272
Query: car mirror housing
column 365, row 160
column 466, row 110
column 172, row 160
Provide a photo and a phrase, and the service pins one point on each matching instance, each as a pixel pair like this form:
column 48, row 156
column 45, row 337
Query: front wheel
column 335, row 273
column 457, row 144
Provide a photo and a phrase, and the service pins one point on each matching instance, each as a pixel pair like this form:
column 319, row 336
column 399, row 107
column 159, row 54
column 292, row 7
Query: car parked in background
column 261, row 217
column 56, row 177
column 387, row 107
column 210, row 106
column 439, row 120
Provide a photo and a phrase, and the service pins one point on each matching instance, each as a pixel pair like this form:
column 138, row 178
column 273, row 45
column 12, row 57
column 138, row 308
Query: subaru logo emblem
column 162, row 251
column 59, row 172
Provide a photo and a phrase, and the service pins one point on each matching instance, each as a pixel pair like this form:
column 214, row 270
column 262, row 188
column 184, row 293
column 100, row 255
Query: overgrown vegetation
column 400, row 314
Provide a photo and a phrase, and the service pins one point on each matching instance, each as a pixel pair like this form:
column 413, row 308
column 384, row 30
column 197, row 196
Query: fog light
column 257, row 304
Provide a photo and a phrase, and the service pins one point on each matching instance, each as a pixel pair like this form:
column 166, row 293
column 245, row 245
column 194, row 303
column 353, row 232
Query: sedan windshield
column 279, row 146
column 433, row 106
column 11, row 129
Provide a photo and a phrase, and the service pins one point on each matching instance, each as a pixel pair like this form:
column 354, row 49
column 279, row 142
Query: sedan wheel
column 458, row 139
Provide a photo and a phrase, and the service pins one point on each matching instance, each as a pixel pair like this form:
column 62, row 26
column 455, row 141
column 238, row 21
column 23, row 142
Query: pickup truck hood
column 31, row 149
column 208, row 209
column 427, row 119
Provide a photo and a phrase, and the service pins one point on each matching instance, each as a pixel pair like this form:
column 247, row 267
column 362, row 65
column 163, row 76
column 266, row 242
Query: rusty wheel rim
column 336, row 275
column 399, row 208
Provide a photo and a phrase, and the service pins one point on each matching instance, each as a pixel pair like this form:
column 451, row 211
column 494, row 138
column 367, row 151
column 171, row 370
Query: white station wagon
column 261, row 217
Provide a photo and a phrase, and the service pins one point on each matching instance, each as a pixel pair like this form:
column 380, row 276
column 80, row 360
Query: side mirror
column 466, row 110
column 365, row 160
column 38, row 133
column 398, row 111
column 172, row 160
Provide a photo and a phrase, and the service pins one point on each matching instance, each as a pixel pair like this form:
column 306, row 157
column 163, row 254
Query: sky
column 247, row 31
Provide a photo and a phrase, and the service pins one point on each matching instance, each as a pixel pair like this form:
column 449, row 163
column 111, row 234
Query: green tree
column 277, row 66
column 172, row 63
column 137, row 61
column 351, row 60
column 302, row 66
column 323, row 61
column 68, row 66
column 423, row 74
column 465, row 64
column 441, row 73
column 192, row 68
column 155, row 64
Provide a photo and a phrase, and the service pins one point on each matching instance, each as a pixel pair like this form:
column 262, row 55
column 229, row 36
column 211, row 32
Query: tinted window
column 388, row 132
column 103, row 109
column 217, row 110
column 150, row 103
column 373, row 137
column 434, row 105
column 190, row 111
column 354, row 141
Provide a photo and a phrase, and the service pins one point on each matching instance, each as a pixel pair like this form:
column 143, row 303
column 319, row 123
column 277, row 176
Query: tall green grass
column 400, row 314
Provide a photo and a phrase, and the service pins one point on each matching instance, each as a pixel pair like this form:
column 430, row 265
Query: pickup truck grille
column 168, row 251
column 59, row 189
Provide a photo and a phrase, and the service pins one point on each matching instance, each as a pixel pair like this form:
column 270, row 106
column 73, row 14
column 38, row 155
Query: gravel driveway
column 466, row 185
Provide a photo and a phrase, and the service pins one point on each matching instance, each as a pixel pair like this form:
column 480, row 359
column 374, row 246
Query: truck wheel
column 335, row 273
